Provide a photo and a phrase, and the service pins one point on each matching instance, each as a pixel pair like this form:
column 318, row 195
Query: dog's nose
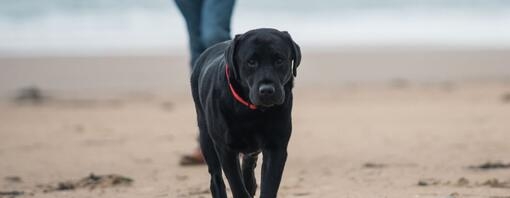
column 266, row 89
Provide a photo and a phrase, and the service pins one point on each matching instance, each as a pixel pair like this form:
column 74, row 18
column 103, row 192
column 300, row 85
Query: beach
column 367, row 122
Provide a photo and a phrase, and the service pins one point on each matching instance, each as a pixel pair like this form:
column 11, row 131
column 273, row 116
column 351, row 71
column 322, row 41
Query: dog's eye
column 252, row 63
column 278, row 61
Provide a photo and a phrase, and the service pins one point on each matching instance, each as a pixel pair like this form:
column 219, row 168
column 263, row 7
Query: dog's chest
column 247, row 135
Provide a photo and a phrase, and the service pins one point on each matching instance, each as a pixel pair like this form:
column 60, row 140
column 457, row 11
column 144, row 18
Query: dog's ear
column 296, row 53
column 230, row 53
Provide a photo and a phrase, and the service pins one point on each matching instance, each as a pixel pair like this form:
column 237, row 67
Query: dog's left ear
column 230, row 53
column 296, row 53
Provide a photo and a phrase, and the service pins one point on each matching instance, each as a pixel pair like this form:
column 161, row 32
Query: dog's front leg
column 272, row 170
column 232, row 170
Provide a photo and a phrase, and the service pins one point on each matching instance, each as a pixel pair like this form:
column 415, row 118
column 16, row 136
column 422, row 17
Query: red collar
column 234, row 93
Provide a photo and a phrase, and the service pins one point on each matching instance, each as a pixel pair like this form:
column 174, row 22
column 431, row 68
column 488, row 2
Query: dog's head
column 263, row 61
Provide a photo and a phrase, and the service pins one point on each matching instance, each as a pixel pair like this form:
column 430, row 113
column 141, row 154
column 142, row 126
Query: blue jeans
column 208, row 23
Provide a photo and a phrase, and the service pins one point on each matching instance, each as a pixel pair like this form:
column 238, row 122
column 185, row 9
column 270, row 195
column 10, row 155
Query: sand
column 376, row 137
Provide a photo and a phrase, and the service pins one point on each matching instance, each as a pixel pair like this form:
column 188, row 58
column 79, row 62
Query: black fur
column 262, row 66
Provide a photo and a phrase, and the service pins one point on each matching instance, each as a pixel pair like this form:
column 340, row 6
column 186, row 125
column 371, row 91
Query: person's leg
column 216, row 19
column 192, row 12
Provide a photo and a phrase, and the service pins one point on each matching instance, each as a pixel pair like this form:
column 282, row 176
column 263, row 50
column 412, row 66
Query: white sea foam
column 152, row 28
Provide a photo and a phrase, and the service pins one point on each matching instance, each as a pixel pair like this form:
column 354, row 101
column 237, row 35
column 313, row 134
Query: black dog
column 243, row 97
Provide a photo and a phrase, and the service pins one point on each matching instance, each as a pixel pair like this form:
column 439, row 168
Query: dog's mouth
column 265, row 104
column 267, row 101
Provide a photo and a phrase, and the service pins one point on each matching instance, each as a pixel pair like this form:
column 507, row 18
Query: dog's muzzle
column 266, row 90
column 269, row 94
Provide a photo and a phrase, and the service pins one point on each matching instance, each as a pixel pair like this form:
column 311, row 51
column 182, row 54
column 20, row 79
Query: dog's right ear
column 230, row 53
column 296, row 53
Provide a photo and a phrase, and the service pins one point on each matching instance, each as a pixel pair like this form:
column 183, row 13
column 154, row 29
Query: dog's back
column 208, row 60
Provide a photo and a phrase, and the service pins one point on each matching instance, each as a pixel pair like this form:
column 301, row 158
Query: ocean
column 73, row 27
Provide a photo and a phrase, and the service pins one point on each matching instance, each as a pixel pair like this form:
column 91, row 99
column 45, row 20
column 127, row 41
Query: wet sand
column 329, row 67
column 399, row 131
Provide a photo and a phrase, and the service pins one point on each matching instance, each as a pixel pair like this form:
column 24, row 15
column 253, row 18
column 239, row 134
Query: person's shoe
column 195, row 158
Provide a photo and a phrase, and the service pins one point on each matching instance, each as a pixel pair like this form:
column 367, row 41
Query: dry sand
column 350, row 139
